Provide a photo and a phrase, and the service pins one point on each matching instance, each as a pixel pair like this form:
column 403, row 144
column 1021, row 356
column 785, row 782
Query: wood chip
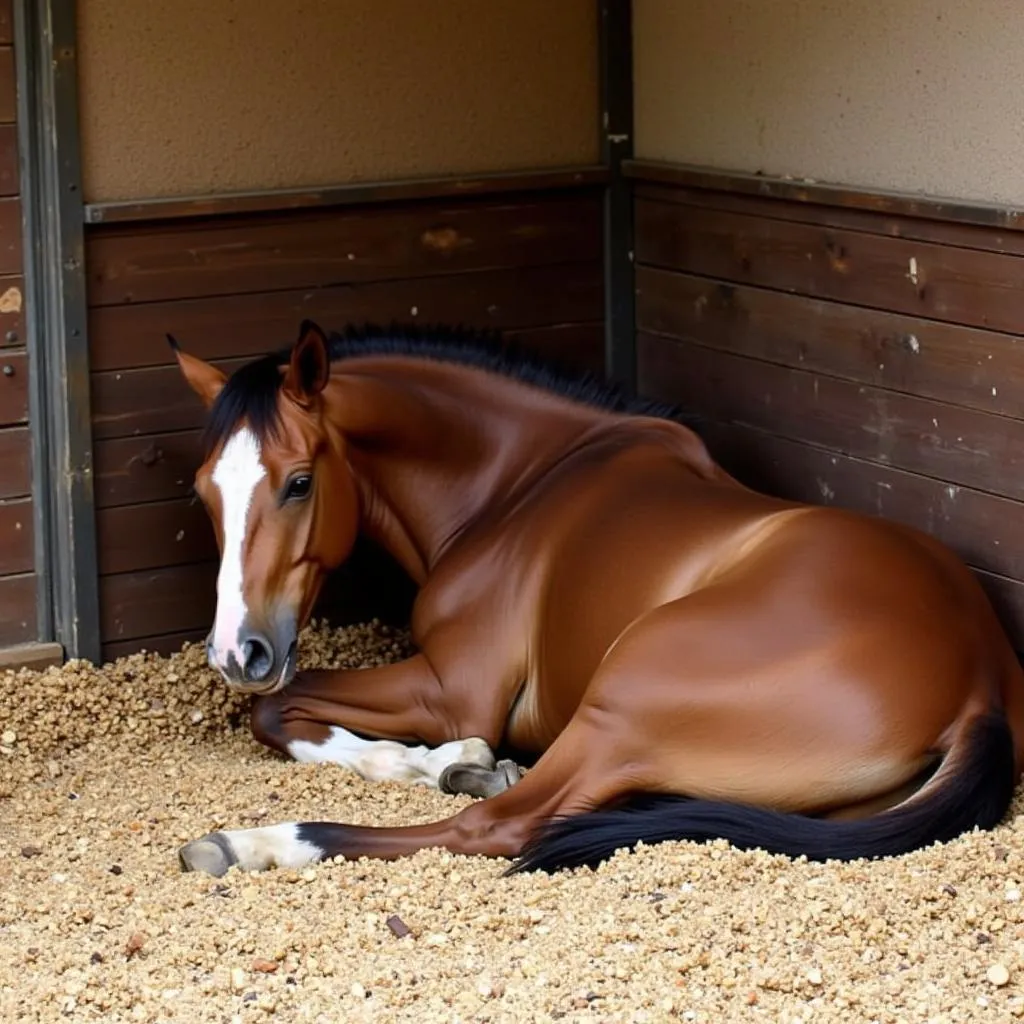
column 998, row 975
column 683, row 932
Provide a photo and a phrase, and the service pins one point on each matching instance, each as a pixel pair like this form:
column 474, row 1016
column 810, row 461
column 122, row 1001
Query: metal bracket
column 56, row 314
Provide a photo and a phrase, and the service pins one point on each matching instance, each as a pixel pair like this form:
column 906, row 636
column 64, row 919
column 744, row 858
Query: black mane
column 251, row 391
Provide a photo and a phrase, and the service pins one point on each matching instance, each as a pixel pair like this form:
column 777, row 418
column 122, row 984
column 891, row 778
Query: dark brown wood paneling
column 15, row 462
column 182, row 599
column 6, row 22
column 229, row 289
column 151, row 468
column 572, row 348
column 12, row 311
column 157, row 601
column 132, row 402
column 16, row 552
column 1007, row 597
column 146, row 401
column 957, row 445
column 8, row 89
column 325, row 248
column 512, row 183
column 17, row 609
column 850, row 353
column 164, row 644
column 164, row 533
column 11, row 256
column 13, row 388
column 963, row 365
column 122, row 337
column 17, row 556
column 941, row 282
column 1007, row 219
column 984, row 529
column 8, row 160
column 968, row 236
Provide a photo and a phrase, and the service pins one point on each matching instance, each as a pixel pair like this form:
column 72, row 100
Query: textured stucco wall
column 200, row 96
column 915, row 95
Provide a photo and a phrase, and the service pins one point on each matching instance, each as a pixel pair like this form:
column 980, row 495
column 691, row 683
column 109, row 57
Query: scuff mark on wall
column 10, row 301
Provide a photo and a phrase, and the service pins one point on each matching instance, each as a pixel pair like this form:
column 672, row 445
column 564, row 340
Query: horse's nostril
column 259, row 659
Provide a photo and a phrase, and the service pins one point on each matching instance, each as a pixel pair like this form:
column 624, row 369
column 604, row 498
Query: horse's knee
column 265, row 722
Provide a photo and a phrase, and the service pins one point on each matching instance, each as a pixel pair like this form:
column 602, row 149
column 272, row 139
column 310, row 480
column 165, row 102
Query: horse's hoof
column 212, row 854
column 513, row 772
column 472, row 780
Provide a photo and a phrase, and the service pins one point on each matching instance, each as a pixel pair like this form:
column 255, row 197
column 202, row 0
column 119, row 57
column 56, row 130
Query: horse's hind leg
column 584, row 768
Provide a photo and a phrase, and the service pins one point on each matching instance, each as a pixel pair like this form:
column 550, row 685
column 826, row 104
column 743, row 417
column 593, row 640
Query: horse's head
column 276, row 483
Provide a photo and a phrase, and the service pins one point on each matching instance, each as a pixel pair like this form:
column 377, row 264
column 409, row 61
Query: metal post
column 616, row 56
column 55, row 296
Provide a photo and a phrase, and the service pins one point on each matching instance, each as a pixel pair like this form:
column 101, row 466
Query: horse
column 684, row 657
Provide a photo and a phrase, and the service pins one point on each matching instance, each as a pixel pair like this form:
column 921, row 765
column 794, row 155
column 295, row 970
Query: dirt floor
column 103, row 773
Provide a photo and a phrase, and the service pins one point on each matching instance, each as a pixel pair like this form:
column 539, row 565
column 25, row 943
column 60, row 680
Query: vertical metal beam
column 55, row 297
column 616, row 56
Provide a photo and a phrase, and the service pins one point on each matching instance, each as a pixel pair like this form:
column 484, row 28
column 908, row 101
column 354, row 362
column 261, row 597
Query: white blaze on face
column 236, row 475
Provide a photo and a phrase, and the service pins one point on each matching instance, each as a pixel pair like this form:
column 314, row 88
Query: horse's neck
column 433, row 451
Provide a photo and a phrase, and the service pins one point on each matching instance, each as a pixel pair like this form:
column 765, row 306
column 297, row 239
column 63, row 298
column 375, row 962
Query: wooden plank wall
column 847, row 357
column 17, row 561
column 230, row 288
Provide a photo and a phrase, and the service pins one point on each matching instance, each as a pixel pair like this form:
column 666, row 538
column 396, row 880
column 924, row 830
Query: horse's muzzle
column 259, row 664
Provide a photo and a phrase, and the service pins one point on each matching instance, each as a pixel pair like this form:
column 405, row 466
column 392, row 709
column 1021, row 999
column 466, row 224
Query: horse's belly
column 602, row 558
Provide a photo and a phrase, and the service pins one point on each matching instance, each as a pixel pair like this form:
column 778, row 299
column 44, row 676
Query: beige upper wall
column 201, row 96
column 914, row 95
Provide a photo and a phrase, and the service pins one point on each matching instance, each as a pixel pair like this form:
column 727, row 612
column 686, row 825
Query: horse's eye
column 298, row 487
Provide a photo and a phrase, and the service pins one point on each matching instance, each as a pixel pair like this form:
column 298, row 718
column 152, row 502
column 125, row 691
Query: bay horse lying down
column 689, row 659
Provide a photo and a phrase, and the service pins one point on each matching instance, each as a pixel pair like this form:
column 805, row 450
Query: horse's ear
column 310, row 366
column 205, row 380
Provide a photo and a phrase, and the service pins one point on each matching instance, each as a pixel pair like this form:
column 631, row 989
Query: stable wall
column 207, row 96
column 845, row 346
column 526, row 261
column 912, row 95
column 190, row 109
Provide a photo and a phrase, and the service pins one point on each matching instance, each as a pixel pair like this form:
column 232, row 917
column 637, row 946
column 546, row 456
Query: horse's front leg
column 589, row 764
column 312, row 718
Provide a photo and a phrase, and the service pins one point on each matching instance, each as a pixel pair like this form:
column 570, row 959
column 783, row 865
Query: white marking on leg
column 251, row 849
column 237, row 473
column 272, row 846
column 387, row 761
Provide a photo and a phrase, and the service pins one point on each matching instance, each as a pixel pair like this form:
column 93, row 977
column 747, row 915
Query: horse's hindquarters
column 831, row 665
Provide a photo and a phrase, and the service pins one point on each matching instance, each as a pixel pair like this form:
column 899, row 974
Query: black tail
column 973, row 788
